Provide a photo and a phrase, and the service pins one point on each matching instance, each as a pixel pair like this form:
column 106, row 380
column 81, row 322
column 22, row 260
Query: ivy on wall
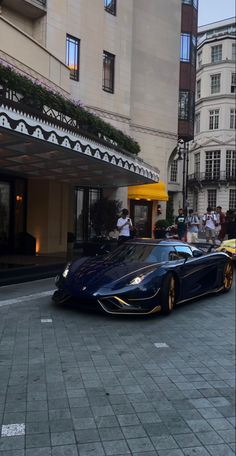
column 35, row 95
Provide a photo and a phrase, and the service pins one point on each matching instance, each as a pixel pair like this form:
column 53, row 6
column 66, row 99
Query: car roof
column 157, row 241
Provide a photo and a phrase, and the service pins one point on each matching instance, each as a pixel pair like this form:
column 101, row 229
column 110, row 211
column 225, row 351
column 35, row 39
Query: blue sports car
column 145, row 276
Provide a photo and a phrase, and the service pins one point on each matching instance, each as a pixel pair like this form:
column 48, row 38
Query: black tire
column 228, row 276
column 168, row 294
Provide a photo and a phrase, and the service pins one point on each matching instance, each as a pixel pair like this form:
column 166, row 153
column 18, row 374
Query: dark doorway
column 84, row 198
column 141, row 215
column 12, row 212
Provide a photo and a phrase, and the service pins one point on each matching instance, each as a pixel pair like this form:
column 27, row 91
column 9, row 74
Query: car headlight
column 138, row 279
column 66, row 270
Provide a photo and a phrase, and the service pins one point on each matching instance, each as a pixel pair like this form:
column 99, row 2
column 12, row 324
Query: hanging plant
column 35, row 95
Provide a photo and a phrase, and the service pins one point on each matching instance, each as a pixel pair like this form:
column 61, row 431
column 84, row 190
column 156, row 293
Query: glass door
column 141, row 215
column 4, row 215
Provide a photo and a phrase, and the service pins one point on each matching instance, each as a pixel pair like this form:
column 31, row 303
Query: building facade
column 120, row 60
column 212, row 170
column 179, row 160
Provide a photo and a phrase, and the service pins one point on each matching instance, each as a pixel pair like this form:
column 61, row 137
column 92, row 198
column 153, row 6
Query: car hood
column 96, row 273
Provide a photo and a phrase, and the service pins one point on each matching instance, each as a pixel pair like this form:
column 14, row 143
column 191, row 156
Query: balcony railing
column 213, row 177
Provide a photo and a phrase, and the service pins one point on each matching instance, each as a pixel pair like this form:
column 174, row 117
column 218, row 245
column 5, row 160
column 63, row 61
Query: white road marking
column 161, row 345
column 10, row 430
column 46, row 320
column 8, row 302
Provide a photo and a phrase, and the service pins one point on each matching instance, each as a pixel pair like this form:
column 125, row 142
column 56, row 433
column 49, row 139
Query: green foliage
column 104, row 214
column 161, row 224
column 36, row 96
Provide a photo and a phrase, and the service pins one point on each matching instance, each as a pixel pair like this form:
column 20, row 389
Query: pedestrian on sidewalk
column 209, row 221
column 181, row 225
column 193, row 223
column 124, row 226
column 221, row 223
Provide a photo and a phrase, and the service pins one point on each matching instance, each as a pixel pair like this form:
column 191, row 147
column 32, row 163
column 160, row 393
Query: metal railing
column 213, row 177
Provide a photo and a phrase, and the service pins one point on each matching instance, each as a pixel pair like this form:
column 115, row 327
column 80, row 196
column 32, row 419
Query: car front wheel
column 228, row 276
column 168, row 294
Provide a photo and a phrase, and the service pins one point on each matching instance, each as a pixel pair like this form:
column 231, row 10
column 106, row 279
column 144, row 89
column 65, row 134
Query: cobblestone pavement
column 75, row 383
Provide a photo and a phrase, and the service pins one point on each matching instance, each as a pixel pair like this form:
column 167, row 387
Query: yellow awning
column 153, row 192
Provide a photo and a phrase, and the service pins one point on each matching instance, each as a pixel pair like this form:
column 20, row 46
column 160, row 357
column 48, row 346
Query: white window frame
column 233, row 82
column 214, row 117
column 216, row 53
column 198, row 89
column 197, row 122
column 234, row 51
column 212, row 197
column 232, row 198
column 215, row 83
column 197, row 161
column 232, row 123
column 230, row 164
column 212, row 164
column 174, row 171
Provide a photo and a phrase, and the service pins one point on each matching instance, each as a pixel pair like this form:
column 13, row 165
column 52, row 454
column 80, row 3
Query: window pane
column 108, row 72
column 231, row 164
column 232, row 199
column 185, row 47
column 174, row 171
column 215, row 83
column 214, row 119
column 183, row 105
column 232, row 118
column 233, row 82
column 211, row 198
column 213, row 165
column 197, row 164
column 216, row 53
column 72, row 56
column 110, row 6
column 233, row 51
column 197, row 122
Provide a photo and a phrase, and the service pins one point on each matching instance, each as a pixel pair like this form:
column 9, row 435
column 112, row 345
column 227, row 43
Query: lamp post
column 183, row 154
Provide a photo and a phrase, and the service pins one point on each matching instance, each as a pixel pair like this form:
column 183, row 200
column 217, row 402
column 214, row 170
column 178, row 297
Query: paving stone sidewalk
column 84, row 384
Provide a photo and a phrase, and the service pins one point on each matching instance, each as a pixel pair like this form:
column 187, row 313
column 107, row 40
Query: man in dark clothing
column 181, row 225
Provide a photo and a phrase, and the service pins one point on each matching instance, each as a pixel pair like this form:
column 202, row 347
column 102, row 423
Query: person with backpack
column 192, row 226
column 209, row 221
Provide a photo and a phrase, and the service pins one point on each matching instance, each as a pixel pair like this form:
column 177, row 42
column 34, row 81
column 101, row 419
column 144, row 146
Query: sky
column 215, row 10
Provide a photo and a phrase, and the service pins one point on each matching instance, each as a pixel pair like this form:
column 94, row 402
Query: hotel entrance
column 12, row 212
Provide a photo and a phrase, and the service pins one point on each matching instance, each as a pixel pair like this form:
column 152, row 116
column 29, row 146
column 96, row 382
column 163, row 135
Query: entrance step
column 14, row 273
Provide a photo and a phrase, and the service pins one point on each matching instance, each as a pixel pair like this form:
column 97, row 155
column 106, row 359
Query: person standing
column 181, row 225
column 221, row 221
column 209, row 221
column 124, row 226
column 192, row 226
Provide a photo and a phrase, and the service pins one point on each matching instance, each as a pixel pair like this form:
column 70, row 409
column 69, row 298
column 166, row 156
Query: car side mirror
column 197, row 253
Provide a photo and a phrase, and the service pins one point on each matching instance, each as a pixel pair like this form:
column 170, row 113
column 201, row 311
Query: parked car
column 144, row 277
column 228, row 247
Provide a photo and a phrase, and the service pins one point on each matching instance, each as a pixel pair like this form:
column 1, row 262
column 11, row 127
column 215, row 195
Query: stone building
column 212, row 166
column 120, row 60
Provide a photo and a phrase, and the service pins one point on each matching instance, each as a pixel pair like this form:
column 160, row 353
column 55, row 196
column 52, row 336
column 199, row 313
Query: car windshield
column 145, row 253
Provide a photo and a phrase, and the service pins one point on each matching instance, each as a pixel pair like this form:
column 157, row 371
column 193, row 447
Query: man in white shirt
column 209, row 221
column 124, row 225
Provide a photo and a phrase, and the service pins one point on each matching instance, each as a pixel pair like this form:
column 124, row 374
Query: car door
column 198, row 275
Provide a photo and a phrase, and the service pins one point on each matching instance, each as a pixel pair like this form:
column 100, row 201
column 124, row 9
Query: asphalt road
column 77, row 383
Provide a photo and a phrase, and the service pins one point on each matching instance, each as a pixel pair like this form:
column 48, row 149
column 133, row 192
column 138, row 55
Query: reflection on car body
column 145, row 276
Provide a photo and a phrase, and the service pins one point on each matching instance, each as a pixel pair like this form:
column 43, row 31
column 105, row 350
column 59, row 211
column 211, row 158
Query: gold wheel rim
column 228, row 276
column 171, row 294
